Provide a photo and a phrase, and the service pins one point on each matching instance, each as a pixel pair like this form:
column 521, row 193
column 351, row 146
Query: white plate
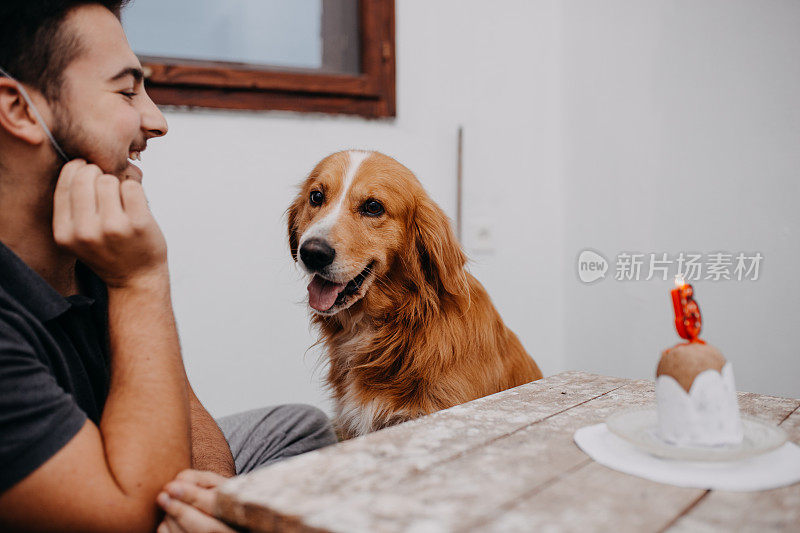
column 640, row 428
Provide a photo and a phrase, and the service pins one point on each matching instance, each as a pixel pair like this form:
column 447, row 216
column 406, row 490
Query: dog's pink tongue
column 322, row 293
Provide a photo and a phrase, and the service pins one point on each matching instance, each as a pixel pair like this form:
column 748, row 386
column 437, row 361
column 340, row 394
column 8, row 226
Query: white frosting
column 707, row 416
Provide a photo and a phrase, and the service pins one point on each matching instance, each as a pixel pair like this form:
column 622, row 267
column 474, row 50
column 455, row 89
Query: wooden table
column 506, row 462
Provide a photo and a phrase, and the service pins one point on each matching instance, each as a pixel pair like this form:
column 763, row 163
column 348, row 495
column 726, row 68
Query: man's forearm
column 210, row 450
column 145, row 423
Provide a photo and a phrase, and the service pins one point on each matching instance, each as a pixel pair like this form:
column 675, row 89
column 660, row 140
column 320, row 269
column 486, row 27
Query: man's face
column 103, row 114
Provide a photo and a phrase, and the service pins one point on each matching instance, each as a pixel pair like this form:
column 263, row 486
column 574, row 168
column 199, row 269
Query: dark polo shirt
column 54, row 364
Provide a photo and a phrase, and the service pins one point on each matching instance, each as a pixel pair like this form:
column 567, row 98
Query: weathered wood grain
column 770, row 510
column 506, row 462
column 595, row 498
column 770, row 408
column 456, row 494
column 792, row 425
column 591, row 497
column 321, row 481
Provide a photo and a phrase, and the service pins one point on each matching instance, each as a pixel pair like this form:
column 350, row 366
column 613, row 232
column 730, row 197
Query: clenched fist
column 107, row 224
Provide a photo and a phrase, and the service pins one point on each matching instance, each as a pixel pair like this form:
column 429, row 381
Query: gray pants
column 263, row 436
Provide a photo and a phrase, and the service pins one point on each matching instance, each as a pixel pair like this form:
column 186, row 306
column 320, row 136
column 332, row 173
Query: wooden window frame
column 225, row 85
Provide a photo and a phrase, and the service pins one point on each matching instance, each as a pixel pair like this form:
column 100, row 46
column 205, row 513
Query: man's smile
column 132, row 171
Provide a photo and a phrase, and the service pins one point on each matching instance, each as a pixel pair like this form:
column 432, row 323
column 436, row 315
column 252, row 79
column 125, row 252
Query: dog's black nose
column 317, row 254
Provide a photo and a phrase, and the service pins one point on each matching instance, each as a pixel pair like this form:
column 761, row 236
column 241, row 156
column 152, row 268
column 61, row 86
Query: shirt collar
column 31, row 290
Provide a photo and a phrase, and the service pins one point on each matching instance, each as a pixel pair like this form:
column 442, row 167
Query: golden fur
column 421, row 333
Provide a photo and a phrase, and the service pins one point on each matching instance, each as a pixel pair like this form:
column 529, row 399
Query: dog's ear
column 440, row 254
column 292, row 215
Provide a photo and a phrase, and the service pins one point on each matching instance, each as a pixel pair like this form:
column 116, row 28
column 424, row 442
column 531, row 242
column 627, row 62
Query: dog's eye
column 372, row 208
column 316, row 198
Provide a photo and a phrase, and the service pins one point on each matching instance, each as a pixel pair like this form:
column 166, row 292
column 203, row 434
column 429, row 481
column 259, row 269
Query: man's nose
column 316, row 254
column 153, row 122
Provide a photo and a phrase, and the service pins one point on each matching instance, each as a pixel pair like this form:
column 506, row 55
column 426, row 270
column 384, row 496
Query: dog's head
column 362, row 227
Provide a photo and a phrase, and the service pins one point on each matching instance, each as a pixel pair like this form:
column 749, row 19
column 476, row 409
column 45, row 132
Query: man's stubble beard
column 73, row 139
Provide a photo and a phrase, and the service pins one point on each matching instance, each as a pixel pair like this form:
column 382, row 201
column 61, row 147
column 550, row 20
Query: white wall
column 582, row 119
column 682, row 133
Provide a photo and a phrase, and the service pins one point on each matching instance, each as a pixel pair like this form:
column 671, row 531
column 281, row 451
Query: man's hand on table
column 189, row 502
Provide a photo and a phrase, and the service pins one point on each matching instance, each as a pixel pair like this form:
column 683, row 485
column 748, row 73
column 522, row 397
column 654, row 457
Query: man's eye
column 373, row 208
column 128, row 94
column 316, row 198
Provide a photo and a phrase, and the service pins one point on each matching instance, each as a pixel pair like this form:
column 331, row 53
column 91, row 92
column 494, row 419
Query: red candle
column 688, row 321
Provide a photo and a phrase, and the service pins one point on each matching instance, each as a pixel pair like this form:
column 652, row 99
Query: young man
column 96, row 413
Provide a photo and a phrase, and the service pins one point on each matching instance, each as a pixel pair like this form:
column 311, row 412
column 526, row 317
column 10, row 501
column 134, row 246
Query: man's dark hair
column 35, row 46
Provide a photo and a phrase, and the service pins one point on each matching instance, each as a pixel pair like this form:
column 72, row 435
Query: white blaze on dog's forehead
column 355, row 158
column 322, row 227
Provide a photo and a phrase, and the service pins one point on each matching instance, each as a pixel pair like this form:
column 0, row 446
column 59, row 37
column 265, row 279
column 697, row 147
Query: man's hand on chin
column 189, row 501
column 107, row 224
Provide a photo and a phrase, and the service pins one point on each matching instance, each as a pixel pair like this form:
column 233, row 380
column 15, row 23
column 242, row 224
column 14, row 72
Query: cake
column 696, row 397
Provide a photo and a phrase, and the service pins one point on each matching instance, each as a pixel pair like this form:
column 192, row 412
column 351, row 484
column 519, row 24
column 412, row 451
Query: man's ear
column 16, row 117
column 440, row 254
column 293, row 213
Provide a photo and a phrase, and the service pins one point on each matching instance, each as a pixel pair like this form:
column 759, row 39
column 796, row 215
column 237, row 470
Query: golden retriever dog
column 408, row 331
